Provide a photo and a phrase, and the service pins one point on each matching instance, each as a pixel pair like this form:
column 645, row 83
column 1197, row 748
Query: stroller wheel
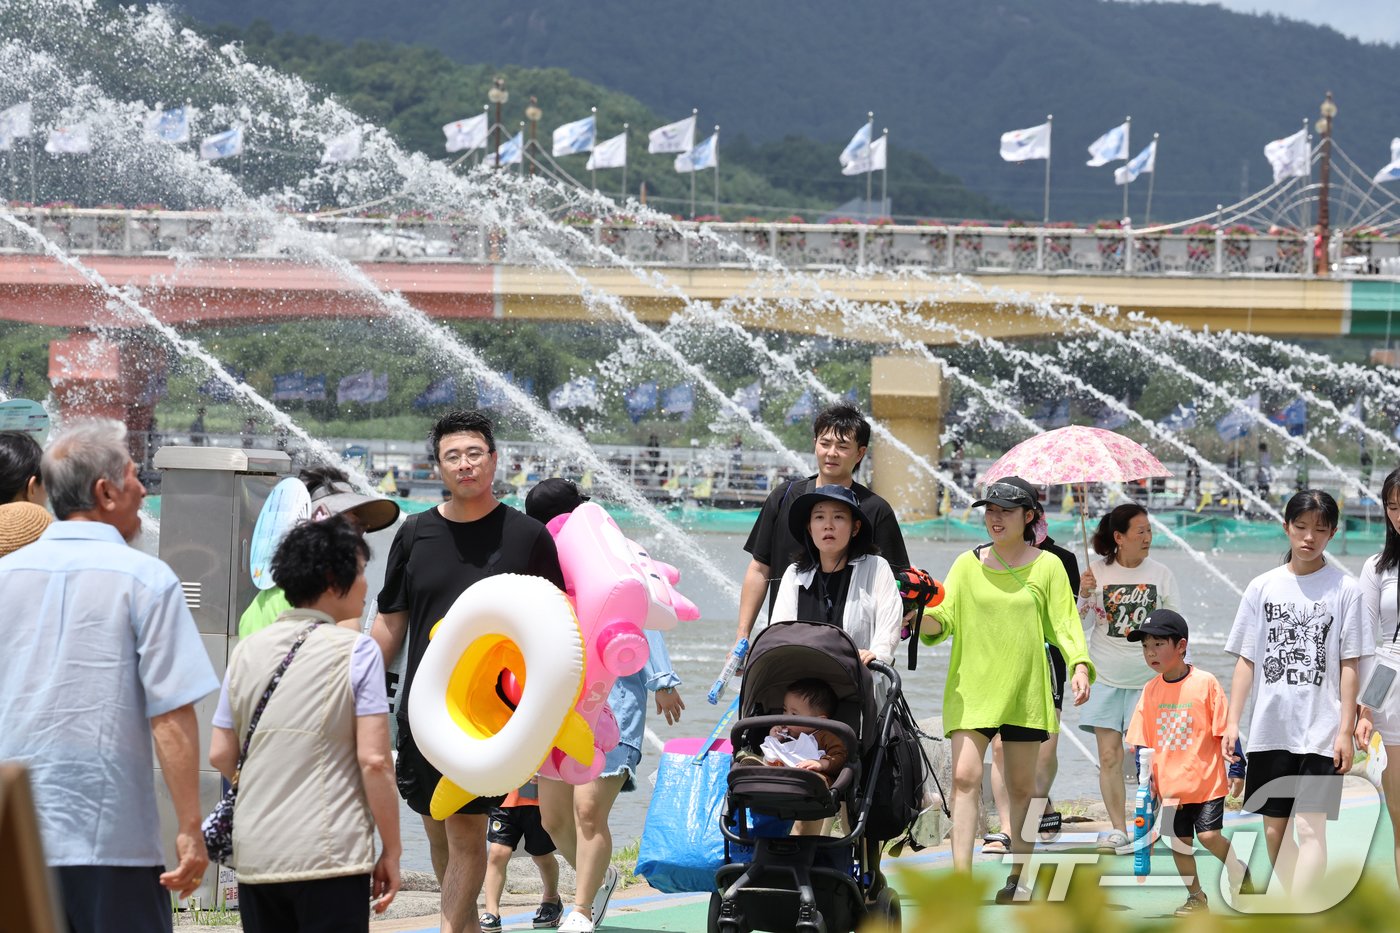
column 887, row 906
column 716, row 925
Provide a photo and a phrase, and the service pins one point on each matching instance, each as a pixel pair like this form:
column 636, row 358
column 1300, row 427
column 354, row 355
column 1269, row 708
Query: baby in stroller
column 808, row 698
column 806, row 882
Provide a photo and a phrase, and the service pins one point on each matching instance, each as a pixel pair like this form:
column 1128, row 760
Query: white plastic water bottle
column 731, row 667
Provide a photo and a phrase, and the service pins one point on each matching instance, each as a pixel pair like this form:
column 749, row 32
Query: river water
column 698, row 651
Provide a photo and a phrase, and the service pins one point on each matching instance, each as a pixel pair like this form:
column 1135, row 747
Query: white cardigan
column 873, row 610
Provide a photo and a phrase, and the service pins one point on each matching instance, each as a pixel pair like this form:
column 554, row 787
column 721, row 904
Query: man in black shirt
column 842, row 437
column 435, row 556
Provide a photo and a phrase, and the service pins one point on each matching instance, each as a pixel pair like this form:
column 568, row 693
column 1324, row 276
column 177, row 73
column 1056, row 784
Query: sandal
column 1051, row 822
column 997, row 839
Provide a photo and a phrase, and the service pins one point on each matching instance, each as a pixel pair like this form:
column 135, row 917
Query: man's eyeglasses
column 472, row 456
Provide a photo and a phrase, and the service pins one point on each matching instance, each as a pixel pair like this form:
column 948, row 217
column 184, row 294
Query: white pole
column 869, row 134
column 1050, row 124
column 716, row 169
column 1147, row 217
column 1128, row 150
column 624, row 162
column 885, row 172
column 594, row 175
column 695, row 121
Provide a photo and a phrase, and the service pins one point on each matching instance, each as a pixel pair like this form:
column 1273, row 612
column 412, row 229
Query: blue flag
column 581, row 392
column 217, row 389
column 1295, row 417
column 289, row 387
column 315, row 390
column 641, row 400
column 801, row 409
column 575, row 137
column 172, row 126
column 1236, row 423
column 356, row 387
column 511, row 149
column 441, row 392
column 679, row 400
column 749, row 397
column 1182, row 419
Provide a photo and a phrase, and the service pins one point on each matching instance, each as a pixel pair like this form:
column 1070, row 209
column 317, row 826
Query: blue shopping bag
column 681, row 844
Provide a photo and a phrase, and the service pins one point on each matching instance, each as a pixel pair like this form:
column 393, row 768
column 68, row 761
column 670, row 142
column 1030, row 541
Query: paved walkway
column 1362, row 830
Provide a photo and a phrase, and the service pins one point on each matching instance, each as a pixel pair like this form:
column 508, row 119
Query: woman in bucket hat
column 837, row 577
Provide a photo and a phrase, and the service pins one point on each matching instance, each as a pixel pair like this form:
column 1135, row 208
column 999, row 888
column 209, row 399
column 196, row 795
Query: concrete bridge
column 202, row 269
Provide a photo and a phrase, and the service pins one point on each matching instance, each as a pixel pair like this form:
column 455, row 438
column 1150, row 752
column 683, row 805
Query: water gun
column 1144, row 816
column 919, row 591
column 731, row 667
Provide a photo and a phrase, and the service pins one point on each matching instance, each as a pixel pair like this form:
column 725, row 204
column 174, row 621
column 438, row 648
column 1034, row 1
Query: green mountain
column 413, row 91
column 946, row 76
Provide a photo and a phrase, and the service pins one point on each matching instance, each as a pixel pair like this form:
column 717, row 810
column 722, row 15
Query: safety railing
column 942, row 248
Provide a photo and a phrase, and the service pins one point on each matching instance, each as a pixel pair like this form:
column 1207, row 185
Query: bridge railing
column 941, row 248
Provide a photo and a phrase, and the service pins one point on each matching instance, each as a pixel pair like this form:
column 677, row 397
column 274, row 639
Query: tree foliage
column 947, row 76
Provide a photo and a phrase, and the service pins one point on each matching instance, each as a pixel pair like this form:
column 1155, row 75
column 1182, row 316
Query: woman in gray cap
column 1005, row 600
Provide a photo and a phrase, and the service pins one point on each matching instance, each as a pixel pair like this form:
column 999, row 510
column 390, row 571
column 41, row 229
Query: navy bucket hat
column 802, row 506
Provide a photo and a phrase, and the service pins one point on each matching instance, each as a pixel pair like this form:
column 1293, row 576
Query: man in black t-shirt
column 435, row 556
column 842, row 437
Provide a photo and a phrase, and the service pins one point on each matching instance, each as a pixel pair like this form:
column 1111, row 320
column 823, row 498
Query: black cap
column 1011, row 492
column 552, row 497
column 1161, row 623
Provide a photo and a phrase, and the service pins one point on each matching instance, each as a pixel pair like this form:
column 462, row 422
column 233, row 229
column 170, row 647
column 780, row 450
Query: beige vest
column 301, row 812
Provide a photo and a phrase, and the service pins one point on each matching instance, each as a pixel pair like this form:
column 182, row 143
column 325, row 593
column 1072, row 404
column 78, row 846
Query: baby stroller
column 805, row 883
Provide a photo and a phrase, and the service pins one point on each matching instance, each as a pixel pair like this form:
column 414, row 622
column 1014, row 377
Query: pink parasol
column 1076, row 454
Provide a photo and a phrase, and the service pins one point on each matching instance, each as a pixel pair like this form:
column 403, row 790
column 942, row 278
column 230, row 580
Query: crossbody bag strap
column 267, row 695
column 1396, row 633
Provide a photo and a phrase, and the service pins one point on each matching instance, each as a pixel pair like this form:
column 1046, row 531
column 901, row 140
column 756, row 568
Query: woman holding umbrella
column 1005, row 600
column 1116, row 594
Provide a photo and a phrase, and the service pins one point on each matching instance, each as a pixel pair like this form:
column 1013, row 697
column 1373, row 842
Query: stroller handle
column 892, row 675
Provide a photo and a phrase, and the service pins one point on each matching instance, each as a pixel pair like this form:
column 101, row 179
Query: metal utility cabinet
column 209, row 504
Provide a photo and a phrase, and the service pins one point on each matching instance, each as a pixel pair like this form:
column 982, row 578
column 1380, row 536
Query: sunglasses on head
column 1010, row 493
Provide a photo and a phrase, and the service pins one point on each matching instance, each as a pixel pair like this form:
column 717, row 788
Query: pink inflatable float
column 617, row 590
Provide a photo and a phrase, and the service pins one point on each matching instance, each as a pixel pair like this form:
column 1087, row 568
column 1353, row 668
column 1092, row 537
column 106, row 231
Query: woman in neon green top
column 1005, row 600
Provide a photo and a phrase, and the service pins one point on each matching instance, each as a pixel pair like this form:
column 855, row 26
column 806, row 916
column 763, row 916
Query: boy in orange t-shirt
column 1181, row 715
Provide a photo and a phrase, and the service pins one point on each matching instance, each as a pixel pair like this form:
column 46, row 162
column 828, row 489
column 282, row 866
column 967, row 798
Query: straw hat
column 21, row 523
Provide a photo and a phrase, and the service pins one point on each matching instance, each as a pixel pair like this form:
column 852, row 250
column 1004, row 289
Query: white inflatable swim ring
column 460, row 721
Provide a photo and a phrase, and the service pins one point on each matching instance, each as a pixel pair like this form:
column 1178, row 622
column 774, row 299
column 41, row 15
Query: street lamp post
column 1328, row 109
column 533, row 114
column 498, row 95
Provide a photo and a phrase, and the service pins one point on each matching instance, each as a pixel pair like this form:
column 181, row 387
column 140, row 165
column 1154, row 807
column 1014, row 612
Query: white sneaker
column 576, row 922
column 1115, row 841
column 605, row 891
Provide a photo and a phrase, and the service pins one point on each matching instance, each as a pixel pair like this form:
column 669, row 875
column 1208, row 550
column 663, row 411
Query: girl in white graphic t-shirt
column 1116, row 595
column 1299, row 636
column 1381, row 605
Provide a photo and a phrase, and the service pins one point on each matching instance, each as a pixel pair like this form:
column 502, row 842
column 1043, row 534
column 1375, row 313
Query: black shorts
column 510, row 824
column 417, row 779
column 101, row 897
column 1016, row 733
column 1311, row 796
column 1057, row 675
column 321, row 904
column 1192, row 819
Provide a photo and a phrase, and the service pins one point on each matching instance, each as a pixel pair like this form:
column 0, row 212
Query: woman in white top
column 838, row 578
column 1380, row 604
column 1116, row 594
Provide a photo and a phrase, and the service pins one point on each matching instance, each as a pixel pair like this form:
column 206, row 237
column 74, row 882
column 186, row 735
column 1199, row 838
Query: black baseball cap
column 1161, row 623
column 1010, row 492
column 552, row 497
